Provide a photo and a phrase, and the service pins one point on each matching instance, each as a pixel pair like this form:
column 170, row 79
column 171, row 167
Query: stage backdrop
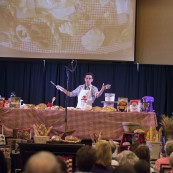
column 31, row 81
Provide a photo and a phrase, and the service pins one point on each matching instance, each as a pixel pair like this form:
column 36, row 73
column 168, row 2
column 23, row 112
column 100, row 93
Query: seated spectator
column 127, row 157
column 141, row 166
column 3, row 163
column 165, row 160
column 62, row 164
column 42, row 162
column 171, row 163
column 103, row 157
column 143, row 153
column 114, row 163
column 124, row 169
column 113, row 146
column 85, row 159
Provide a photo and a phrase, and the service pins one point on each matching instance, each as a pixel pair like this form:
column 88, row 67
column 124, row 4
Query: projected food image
column 66, row 26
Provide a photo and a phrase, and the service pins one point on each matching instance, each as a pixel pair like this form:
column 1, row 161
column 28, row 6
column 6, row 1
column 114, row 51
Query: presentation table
column 83, row 123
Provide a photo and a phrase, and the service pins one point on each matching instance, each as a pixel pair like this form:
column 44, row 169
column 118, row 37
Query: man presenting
column 86, row 91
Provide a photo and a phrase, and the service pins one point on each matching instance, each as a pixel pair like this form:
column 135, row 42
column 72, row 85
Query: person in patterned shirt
column 164, row 160
column 86, row 92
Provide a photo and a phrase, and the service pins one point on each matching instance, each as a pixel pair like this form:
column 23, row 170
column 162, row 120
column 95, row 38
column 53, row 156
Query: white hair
column 42, row 162
column 127, row 157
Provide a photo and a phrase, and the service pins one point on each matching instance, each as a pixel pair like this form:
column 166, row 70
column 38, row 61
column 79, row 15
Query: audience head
column 127, row 157
column 62, row 165
column 143, row 152
column 42, row 162
column 171, row 159
column 85, row 158
column 142, row 166
column 169, row 147
column 89, row 74
column 3, row 163
column 103, row 153
column 113, row 145
column 124, row 169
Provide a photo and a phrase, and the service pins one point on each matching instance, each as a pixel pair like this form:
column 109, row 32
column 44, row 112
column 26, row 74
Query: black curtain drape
column 30, row 79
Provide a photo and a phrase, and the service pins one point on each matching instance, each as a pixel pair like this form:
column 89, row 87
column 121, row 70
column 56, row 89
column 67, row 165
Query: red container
column 1, row 103
column 6, row 104
column 49, row 105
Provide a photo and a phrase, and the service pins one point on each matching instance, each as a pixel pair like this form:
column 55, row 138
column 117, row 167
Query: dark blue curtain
column 30, row 79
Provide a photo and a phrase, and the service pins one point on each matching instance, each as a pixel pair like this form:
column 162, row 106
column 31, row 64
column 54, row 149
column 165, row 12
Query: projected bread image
column 7, row 25
column 93, row 39
column 66, row 26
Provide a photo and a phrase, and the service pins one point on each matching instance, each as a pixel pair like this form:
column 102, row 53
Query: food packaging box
column 122, row 104
column 26, row 134
column 110, row 97
column 1, row 103
column 6, row 104
column 15, row 102
column 135, row 105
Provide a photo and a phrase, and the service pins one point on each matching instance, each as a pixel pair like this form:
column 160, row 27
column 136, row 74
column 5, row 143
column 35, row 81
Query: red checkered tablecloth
column 83, row 122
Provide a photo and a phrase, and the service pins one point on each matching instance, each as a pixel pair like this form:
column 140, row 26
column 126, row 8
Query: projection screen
column 68, row 29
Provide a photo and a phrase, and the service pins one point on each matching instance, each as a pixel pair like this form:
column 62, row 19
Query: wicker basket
column 41, row 139
column 130, row 126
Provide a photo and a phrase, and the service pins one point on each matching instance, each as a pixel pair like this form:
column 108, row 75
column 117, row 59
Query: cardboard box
column 122, row 104
column 1, row 103
column 135, row 105
column 15, row 102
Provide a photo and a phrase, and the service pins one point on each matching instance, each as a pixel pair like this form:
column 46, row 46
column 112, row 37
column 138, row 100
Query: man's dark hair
column 85, row 158
column 89, row 73
column 143, row 152
column 142, row 166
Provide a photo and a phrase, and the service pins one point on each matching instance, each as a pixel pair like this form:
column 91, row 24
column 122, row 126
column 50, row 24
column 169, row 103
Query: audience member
column 127, row 157
column 124, row 169
column 103, row 157
column 62, row 164
column 165, row 160
column 3, row 163
column 114, row 163
column 171, row 163
column 143, row 153
column 142, row 166
column 113, row 146
column 85, row 159
column 42, row 162
column 171, row 160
